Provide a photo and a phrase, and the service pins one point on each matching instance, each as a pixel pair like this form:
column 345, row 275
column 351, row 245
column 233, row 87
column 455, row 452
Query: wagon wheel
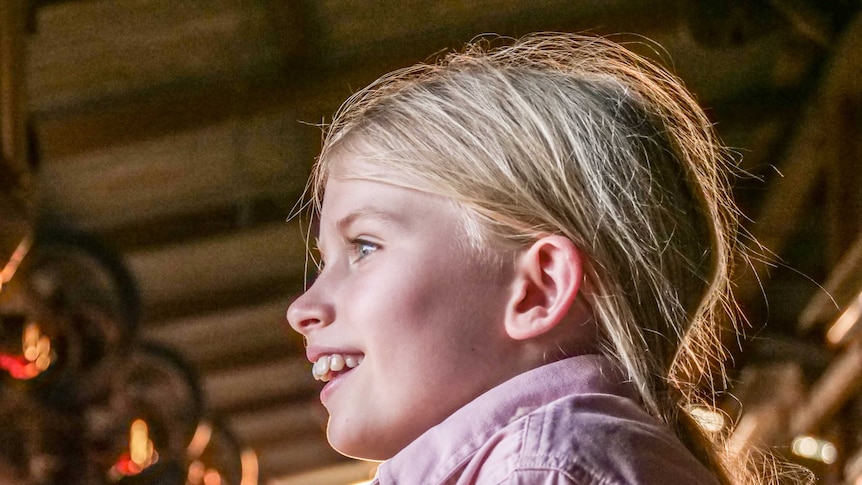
column 78, row 305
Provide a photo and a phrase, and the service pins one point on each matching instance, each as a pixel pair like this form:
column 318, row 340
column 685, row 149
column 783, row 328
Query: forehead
column 348, row 198
column 397, row 162
column 358, row 159
column 360, row 174
column 357, row 189
column 382, row 188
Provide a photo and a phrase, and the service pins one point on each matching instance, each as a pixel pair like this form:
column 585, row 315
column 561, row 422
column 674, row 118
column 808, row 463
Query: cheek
column 437, row 295
column 440, row 293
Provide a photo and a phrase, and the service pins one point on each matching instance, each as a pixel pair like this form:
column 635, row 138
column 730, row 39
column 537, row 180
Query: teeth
column 336, row 363
column 321, row 367
column 326, row 365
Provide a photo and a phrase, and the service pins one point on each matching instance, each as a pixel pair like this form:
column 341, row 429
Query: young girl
column 524, row 251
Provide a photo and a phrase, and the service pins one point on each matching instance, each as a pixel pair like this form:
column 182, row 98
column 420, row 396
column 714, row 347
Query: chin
column 368, row 450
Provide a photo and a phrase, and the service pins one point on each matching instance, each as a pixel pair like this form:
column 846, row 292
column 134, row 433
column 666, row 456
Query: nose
column 309, row 311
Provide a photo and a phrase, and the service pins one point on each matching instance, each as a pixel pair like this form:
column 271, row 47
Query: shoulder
column 589, row 439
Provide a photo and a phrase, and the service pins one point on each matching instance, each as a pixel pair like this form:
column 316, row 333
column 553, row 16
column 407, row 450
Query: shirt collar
column 441, row 450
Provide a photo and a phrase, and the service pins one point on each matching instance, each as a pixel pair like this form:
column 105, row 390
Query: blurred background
column 152, row 150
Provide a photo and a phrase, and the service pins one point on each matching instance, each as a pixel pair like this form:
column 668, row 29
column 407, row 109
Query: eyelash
column 357, row 246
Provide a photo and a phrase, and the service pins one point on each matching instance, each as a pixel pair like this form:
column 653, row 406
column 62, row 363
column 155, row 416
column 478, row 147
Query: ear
column 547, row 279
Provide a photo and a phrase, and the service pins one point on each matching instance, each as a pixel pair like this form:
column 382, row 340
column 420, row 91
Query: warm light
column 200, row 440
column 36, row 352
column 140, row 446
column 196, row 473
column 845, row 323
column 31, row 370
column 35, row 357
column 249, row 462
column 806, row 446
column 142, row 453
column 16, row 366
column 708, row 419
column 355, row 472
column 814, row 449
column 829, row 453
column 17, row 256
column 124, row 467
column 212, row 477
column 30, row 341
column 42, row 363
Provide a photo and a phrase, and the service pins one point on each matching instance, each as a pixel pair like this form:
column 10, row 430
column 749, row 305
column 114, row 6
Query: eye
column 362, row 248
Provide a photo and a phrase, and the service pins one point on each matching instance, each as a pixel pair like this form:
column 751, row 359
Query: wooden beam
column 844, row 283
column 285, row 422
column 841, row 85
column 14, row 228
column 831, row 391
column 808, row 21
column 14, row 161
column 305, row 454
column 344, row 50
column 78, row 57
column 818, row 135
column 226, row 164
column 222, row 338
column 238, row 388
column 13, row 113
column 348, row 472
column 173, row 274
column 204, row 222
column 225, row 299
column 844, row 180
column 155, row 111
column 350, row 36
column 769, row 394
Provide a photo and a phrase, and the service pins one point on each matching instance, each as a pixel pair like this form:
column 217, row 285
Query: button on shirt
column 575, row 421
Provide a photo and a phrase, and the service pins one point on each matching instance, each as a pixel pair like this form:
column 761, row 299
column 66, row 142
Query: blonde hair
column 576, row 136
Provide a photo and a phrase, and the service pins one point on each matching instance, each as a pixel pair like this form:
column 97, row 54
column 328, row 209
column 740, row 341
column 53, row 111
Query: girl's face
column 401, row 293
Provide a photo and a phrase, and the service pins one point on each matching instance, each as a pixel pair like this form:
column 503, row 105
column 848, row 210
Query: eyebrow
column 387, row 217
column 369, row 212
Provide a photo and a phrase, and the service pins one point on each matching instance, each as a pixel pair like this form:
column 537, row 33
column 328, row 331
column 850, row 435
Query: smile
column 328, row 366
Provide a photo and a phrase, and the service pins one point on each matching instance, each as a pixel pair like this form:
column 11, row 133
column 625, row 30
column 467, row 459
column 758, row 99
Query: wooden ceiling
column 182, row 133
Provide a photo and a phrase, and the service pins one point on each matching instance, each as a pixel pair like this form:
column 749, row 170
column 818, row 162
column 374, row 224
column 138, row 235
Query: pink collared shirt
column 570, row 422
